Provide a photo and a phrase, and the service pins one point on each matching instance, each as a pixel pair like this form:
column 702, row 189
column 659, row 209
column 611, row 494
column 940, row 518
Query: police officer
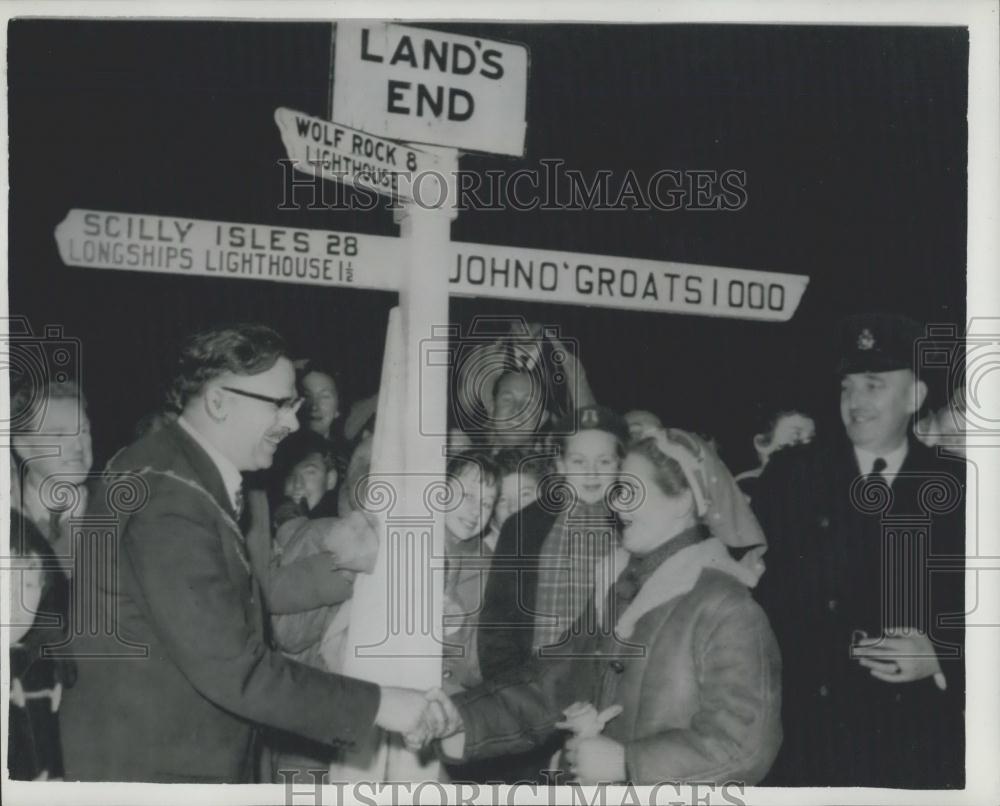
column 864, row 586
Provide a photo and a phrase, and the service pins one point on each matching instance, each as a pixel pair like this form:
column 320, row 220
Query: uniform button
column 446, row 674
column 832, row 605
column 824, row 691
column 824, row 523
column 617, row 666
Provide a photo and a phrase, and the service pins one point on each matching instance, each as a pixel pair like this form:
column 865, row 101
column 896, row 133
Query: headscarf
column 719, row 501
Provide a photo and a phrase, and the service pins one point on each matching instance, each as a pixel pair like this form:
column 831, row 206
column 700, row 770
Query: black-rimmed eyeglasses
column 291, row 404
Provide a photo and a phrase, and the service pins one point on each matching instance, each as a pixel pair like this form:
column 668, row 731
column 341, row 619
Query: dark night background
column 854, row 141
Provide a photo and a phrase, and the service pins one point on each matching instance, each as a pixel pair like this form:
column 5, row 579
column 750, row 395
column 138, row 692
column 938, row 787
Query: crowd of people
column 619, row 606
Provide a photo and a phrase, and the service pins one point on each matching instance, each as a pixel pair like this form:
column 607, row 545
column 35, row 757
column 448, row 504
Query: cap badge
column 589, row 418
column 866, row 340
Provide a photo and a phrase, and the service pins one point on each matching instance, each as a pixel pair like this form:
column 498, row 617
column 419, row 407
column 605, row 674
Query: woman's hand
column 584, row 721
column 597, row 760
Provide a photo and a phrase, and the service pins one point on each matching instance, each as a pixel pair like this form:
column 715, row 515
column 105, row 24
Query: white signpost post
column 396, row 83
column 417, row 86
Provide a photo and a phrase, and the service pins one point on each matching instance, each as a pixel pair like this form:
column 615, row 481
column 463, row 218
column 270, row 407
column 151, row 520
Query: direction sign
column 109, row 240
column 542, row 275
column 332, row 151
column 425, row 86
column 161, row 244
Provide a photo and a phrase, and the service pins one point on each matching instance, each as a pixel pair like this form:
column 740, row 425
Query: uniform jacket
column 839, row 563
column 692, row 662
column 183, row 597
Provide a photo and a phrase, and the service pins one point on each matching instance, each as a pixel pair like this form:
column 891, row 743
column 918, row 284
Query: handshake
column 421, row 717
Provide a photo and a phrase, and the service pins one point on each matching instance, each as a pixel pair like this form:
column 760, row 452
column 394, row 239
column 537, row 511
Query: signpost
column 397, row 83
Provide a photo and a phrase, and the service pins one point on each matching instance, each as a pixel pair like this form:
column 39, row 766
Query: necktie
column 55, row 528
column 876, row 483
column 238, row 503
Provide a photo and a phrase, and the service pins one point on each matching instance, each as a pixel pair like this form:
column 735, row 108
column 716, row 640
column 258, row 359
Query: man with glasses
column 187, row 708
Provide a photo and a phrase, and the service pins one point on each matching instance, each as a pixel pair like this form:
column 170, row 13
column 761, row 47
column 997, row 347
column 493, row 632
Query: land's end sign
column 425, row 86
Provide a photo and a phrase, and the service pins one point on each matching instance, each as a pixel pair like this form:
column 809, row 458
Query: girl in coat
column 682, row 663
column 473, row 481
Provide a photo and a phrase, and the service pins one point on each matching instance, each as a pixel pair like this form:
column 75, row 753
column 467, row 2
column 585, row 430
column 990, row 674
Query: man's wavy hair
column 242, row 349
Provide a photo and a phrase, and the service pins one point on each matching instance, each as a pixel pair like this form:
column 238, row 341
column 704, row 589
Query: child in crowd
column 310, row 481
column 473, row 482
column 474, row 486
column 781, row 428
column 572, row 526
column 641, row 424
column 545, row 560
column 306, row 528
column 946, row 427
column 521, row 475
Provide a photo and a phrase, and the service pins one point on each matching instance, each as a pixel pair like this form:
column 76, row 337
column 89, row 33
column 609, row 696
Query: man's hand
column 440, row 720
column 595, row 760
column 400, row 710
column 901, row 656
column 353, row 541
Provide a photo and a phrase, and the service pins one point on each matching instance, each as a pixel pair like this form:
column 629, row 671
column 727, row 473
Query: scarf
column 574, row 558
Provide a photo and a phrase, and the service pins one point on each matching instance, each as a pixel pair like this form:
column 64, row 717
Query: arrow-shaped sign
column 331, row 151
column 193, row 247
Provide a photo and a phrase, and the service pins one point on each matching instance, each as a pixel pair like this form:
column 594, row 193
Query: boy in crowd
column 310, row 483
column 781, row 428
column 306, row 527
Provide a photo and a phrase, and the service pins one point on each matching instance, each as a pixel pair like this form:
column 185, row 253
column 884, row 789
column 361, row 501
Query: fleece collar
column 677, row 576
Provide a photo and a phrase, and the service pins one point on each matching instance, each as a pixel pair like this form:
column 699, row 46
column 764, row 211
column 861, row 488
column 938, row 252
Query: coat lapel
column 205, row 473
column 202, row 475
